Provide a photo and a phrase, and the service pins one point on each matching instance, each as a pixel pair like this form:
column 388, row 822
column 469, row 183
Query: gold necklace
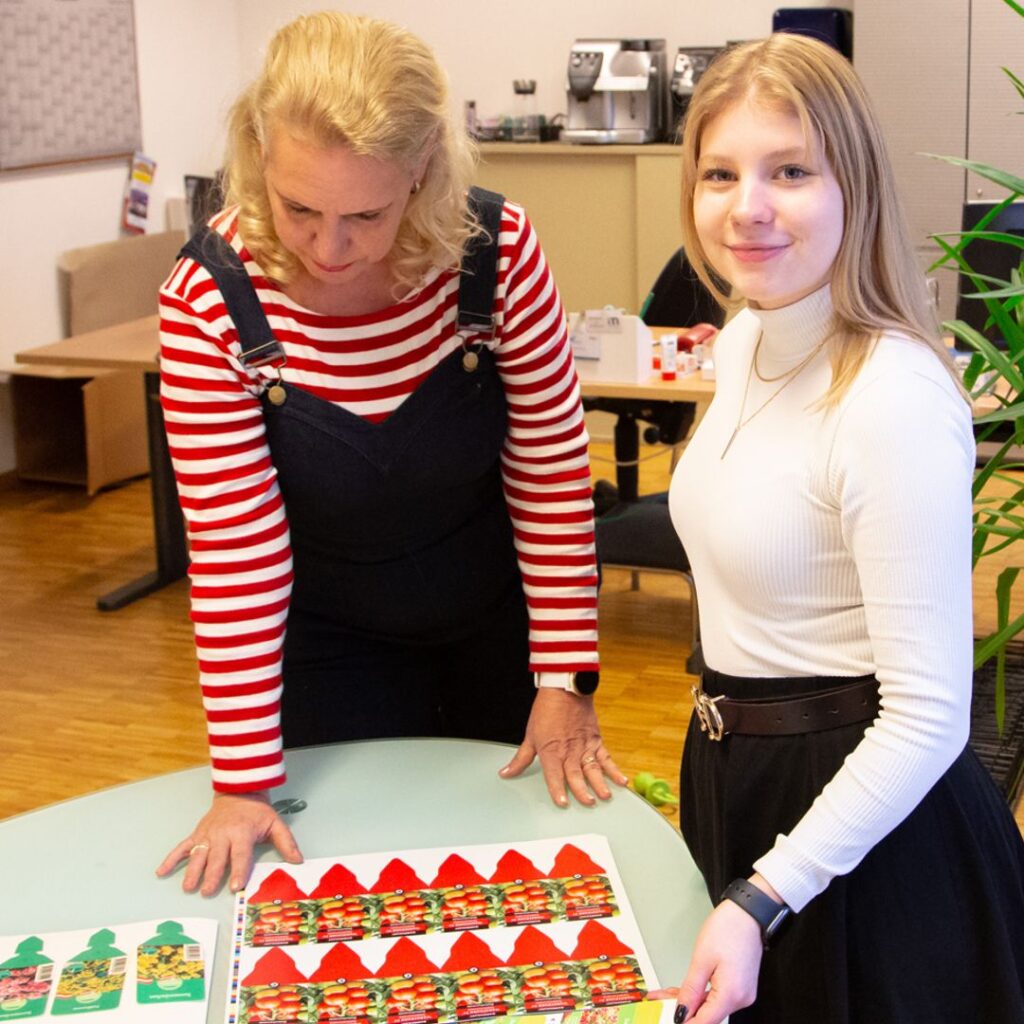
column 790, row 376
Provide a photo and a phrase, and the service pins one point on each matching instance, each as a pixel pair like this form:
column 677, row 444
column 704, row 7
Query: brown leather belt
column 787, row 716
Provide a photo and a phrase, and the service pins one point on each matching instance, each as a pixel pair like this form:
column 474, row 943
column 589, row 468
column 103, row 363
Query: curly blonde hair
column 339, row 79
column 876, row 282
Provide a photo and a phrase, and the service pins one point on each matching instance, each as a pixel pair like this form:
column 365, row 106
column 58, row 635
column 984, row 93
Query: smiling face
column 767, row 207
column 337, row 212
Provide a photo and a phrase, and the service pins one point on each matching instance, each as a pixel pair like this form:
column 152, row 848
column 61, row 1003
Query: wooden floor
column 89, row 699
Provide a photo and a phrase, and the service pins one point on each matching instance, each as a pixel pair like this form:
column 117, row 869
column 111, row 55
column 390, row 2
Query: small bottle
column 669, row 349
column 526, row 122
column 470, row 116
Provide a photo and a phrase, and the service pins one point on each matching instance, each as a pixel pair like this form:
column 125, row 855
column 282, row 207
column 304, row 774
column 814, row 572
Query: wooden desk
column 671, row 404
column 133, row 345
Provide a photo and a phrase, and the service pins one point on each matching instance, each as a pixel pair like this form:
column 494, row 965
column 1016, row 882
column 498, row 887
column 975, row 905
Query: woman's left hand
column 563, row 732
column 728, row 956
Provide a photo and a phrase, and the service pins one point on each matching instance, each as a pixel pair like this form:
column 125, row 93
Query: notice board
column 68, row 81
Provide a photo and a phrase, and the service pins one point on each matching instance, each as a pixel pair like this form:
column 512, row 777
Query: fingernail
column 235, row 885
column 680, row 1015
column 503, row 771
column 563, row 802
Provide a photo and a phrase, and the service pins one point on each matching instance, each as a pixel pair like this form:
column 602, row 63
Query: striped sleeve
column 241, row 566
column 545, row 464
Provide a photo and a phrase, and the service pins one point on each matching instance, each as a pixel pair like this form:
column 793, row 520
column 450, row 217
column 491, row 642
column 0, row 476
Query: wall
column 188, row 55
column 484, row 46
column 193, row 58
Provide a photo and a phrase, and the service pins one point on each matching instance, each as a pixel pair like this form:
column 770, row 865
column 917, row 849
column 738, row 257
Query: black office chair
column 635, row 532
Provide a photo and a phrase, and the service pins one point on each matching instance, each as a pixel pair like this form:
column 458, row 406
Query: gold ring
column 198, row 846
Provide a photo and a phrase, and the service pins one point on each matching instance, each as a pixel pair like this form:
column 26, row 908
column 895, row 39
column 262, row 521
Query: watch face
column 585, row 683
column 775, row 923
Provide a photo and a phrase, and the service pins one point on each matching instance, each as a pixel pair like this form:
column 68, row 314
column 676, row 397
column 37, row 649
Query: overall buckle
column 707, row 714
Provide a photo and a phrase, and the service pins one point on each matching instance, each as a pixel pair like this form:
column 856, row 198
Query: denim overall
column 407, row 614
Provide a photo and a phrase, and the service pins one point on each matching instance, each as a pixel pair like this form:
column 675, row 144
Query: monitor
column 993, row 259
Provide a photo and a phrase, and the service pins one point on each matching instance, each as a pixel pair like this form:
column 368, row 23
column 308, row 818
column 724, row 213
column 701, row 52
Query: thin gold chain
column 790, row 376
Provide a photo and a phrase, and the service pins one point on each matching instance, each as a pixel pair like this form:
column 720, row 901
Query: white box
column 611, row 345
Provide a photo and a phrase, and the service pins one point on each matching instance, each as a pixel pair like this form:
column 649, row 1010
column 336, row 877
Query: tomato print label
column 404, row 913
column 469, row 908
column 588, row 897
column 536, row 902
column 280, row 1004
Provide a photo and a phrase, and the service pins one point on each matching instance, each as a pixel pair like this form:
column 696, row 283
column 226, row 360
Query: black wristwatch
column 583, row 684
column 768, row 914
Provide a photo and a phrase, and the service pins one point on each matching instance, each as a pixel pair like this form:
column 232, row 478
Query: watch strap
column 768, row 914
column 583, row 684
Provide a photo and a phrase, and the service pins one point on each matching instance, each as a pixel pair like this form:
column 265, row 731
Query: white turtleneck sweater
column 837, row 543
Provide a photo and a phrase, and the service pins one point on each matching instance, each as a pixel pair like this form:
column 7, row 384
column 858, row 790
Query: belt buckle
column 707, row 714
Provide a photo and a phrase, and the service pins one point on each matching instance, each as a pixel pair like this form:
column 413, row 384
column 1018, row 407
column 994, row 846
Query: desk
column 655, row 398
column 133, row 345
column 90, row 861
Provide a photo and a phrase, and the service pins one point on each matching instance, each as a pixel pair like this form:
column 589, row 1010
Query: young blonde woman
column 390, row 524
column 827, row 792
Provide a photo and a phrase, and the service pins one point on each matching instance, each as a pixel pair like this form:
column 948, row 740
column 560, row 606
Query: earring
column 415, row 188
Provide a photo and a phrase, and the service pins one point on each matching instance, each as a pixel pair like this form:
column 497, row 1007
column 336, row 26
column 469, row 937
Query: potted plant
column 995, row 378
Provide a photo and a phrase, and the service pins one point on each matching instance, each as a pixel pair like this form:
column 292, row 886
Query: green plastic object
column 170, row 967
column 93, row 980
column 25, row 981
column 656, row 792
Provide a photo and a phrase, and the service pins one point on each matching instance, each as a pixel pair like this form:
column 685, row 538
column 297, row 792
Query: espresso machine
column 617, row 91
column 691, row 63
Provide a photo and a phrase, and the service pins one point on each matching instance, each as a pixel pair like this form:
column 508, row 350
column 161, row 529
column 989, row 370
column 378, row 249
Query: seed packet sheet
column 538, row 928
column 145, row 972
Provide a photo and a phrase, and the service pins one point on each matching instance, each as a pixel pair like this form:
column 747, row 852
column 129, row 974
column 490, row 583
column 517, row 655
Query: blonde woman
column 827, row 792
column 390, row 525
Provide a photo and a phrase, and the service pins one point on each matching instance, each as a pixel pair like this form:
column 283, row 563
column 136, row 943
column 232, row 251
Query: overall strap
column 211, row 251
column 479, row 273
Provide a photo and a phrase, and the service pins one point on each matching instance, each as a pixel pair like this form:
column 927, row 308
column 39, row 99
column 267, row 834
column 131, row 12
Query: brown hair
column 876, row 282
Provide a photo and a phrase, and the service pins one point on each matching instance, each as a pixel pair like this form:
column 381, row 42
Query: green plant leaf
column 993, row 174
column 987, row 647
column 1009, row 328
column 991, row 236
column 1017, row 83
column 996, row 358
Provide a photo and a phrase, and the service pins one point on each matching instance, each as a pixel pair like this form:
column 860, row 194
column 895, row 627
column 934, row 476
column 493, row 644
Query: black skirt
column 927, row 929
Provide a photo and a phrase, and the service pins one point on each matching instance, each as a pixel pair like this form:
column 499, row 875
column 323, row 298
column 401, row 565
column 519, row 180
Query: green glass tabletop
column 90, row 862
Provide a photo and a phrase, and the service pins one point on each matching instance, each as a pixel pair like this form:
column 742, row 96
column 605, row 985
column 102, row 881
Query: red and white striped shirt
column 241, row 568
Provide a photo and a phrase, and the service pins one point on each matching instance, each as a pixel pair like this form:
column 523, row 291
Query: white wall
column 188, row 56
column 485, row 45
column 194, row 56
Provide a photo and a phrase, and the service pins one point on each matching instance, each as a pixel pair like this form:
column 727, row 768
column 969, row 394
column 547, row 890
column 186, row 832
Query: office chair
column 635, row 532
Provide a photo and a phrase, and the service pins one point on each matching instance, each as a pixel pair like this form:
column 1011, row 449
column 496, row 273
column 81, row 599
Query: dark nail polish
column 680, row 1015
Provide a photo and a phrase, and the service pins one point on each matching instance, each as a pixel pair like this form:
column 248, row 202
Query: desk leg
column 168, row 525
column 627, row 452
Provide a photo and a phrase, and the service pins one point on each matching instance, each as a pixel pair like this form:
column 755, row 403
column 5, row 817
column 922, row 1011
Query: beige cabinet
column 607, row 216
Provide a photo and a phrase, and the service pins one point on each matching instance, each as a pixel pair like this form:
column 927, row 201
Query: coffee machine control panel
column 584, row 70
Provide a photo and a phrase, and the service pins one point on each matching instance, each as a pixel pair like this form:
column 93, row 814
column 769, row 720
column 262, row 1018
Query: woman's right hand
column 224, row 839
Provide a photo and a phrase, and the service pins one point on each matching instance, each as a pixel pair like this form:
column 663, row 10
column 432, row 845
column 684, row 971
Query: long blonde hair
column 339, row 79
column 876, row 283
